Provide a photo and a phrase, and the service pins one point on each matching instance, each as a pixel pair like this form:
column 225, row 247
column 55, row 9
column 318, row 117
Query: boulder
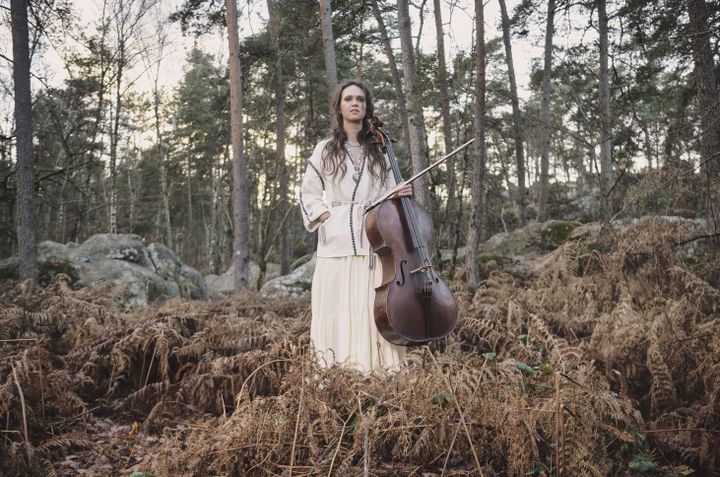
column 301, row 261
column 147, row 274
column 191, row 283
column 125, row 247
column 54, row 258
column 165, row 262
column 142, row 285
column 224, row 285
column 296, row 284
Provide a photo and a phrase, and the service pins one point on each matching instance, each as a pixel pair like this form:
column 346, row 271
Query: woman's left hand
column 403, row 190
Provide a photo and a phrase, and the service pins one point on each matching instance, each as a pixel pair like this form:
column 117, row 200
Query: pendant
column 356, row 176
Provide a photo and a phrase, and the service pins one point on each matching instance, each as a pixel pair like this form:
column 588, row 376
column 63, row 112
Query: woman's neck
column 352, row 130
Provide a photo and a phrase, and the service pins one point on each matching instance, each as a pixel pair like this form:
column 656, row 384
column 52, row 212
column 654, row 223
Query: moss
column 557, row 232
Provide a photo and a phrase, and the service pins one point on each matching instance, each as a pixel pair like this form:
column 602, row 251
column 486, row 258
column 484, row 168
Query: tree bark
column 545, row 115
column 161, row 152
column 606, row 171
column 517, row 129
column 418, row 155
column 706, row 85
column 329, row 47
column 25, row 221
column 241, row 219
column 450, row 223
column 476, row 229
column 280, row 133
column 394, row 73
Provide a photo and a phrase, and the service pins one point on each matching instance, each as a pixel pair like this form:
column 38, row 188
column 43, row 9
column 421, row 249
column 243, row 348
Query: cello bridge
column 422, row 269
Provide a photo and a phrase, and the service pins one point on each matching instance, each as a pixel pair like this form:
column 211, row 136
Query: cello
column 413, row 304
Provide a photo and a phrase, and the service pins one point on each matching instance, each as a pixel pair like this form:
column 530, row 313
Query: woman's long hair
column 333, row 155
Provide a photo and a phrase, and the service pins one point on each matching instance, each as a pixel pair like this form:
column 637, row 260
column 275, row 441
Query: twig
column 24, row 411
column 366, row 457
column 42, row 392
column 297, row 419
column 337, row 448
column 62, row 423
column 692, row 239
column 459, row 410
column 559, row 429
column 455, row 434
column 242, row 388
column 695, row 429
column 19, row 339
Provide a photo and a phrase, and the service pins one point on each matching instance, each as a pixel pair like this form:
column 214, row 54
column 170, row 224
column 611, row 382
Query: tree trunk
column 545, row 116
column 706, row 85
column 392, row 64
column 241, row 219
column 114, row 131
column 476, row 229
column 161, row 153
column 517, row 129
column 416, row 139
column 446, row 124
column 25, row 221
column 606, row 184
column 329, row 47
column 280, row 134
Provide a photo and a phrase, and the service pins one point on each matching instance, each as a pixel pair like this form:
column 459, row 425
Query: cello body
column 412, row 304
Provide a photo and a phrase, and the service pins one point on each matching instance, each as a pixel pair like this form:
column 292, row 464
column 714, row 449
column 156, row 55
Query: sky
column 457, row 19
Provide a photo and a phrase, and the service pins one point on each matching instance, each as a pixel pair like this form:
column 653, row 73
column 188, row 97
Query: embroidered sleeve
column 310, row 195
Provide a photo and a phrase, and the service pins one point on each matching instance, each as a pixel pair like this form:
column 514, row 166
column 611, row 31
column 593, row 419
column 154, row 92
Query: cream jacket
column 343, row 233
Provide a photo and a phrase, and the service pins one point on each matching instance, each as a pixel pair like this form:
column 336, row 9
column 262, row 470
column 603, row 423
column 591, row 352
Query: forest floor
column 599, row 358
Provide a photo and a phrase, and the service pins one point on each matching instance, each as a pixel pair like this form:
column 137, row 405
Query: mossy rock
column 557, row 232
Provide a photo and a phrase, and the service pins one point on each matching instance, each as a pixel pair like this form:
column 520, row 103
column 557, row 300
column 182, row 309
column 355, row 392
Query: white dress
column 343, row 289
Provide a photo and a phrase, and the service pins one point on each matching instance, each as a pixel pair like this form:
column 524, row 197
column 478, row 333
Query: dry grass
column 601, row 355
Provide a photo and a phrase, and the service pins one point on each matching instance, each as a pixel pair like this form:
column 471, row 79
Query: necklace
column 356, row 170
column 352, row 144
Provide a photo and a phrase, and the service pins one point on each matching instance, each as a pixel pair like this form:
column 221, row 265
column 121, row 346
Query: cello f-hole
column 402, row 273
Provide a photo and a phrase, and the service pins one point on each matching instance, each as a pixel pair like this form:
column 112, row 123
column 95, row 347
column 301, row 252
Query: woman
column 350, row 172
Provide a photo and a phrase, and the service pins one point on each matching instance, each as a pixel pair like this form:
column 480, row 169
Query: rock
column 147, row 274
column 446, row 255
column 301, row 261
column 557, row 232
column 224, row 285
column 165, row 262
column 519, row 242
column 54, row 258
column 125, row 247
column 296, row 284
column 142, row 285
column 191, row 283
column 221, row 286
column 9, row 268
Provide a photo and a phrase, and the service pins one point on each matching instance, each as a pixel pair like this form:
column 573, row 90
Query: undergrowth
column 600, row 358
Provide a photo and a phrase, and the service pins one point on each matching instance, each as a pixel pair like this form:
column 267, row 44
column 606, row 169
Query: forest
column 579, row 234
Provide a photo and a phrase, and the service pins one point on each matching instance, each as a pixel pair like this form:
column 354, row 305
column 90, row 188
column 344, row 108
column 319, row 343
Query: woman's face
column 352, row 104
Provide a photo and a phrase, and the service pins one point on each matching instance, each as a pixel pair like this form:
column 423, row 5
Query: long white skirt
column 343, row 328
